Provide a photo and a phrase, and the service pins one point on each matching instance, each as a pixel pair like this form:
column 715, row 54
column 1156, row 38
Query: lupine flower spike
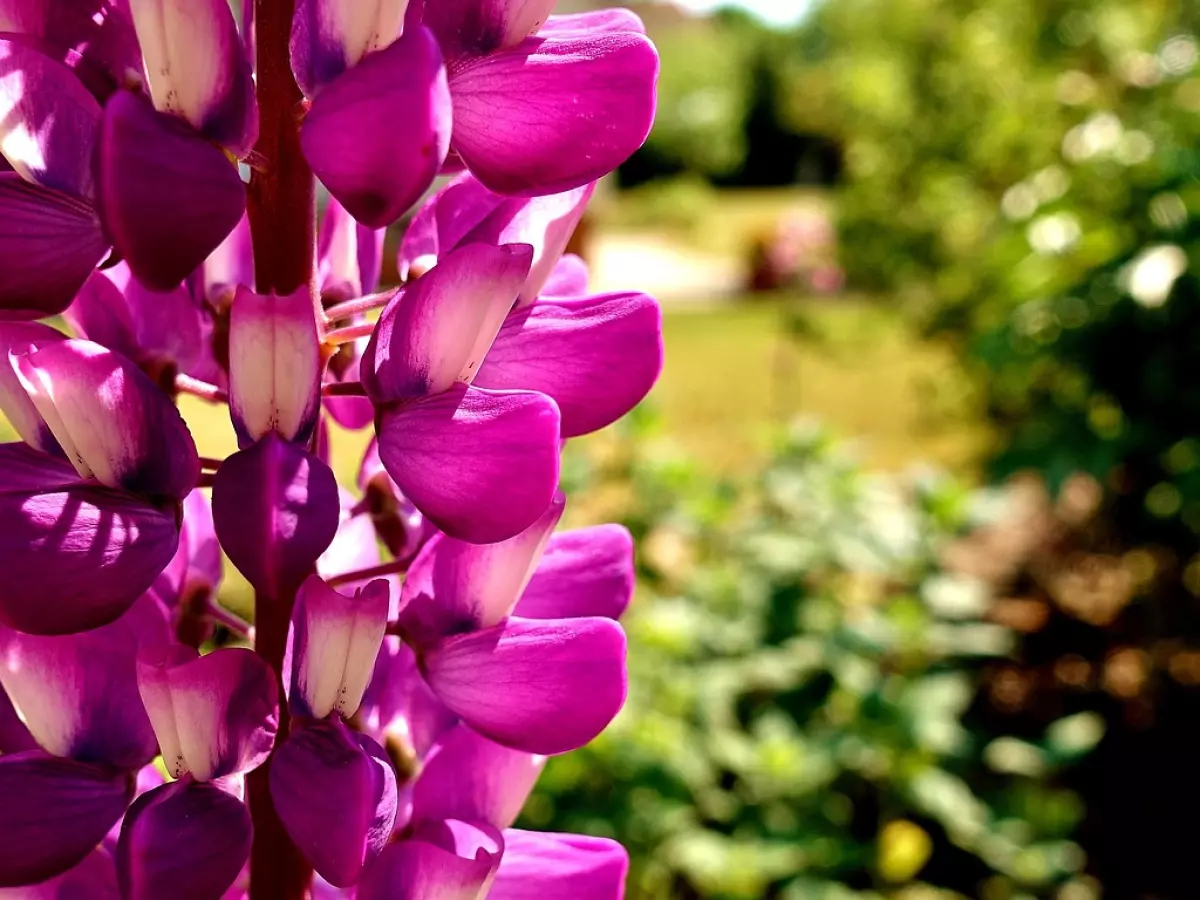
column 422, row 639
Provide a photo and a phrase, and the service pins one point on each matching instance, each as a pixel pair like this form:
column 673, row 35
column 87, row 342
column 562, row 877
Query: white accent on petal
column 364, row 25
column 274, row 362
column 183, row 46
column 50, row 703
column 36, row 383
column 154, row 684
column 344, row 634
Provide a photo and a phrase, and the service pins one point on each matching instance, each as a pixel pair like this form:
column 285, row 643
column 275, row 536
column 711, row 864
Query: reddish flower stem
column 359, row 305
column 186, row 384
column 344, row 389
column 349, row 333
column 393, row 567
column 282, row 208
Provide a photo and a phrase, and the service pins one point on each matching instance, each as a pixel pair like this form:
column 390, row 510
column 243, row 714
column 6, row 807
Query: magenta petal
column 437, row 331
column 330, row 36
column 585, row 572
column 95, row 38
column 441, row 861
column 111, row 420
column 198, row 68
column 538, row 865
column 596, row 357
column 17, row 338
column 543, row 686
column 49, row 243
column 398, row 707
column 166, row 195
column 554, row 113
column 274, row 366
column 481, row 465
column 48, row 120
column 569, row 278
column 613, row 20
column 74, row 555
column 151, row 327
column 376, row 136
column 455, row 586
column 465, row 211
column 335, row 792
column 214, row 715
column 471, row 778
column 481, row 26
column 78, row 693
column 93, row 879
column 230, row 264
column 545, row 223
column 55, row 813
column 184, row 840
column 275, row 507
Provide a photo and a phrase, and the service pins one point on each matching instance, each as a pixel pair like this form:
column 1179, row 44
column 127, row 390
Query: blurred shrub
column 800, row 668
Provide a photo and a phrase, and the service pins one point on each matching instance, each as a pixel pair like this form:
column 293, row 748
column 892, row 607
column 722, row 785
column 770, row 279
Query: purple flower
column 143, row 175
column 418, row 712
column 595, row 356
column 479, row 464
column 88, row 503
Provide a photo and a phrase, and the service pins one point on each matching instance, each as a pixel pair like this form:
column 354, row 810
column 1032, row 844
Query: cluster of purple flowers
column 422, row 643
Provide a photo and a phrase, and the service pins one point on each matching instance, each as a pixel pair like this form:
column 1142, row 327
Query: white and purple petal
column 330, row 36
column 543, row 686
column 198, row 69
column 274, row 366
column 334, row 641
column 17, row 338
column 480, row 465
column 597, row 357
column 474, row 27
column 78, row 693
column 455, row 586
column 214, row 715
column 110, row 419
column 436, row 332
column 465, row 211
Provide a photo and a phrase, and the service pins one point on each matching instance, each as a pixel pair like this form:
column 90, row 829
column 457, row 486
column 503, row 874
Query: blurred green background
column 947, row 642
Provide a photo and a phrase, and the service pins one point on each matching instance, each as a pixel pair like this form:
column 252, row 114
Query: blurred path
column 673, row 273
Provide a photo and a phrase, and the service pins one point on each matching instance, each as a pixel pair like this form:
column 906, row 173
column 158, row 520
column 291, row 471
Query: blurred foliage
column 800, row 670
column 1023, row 176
